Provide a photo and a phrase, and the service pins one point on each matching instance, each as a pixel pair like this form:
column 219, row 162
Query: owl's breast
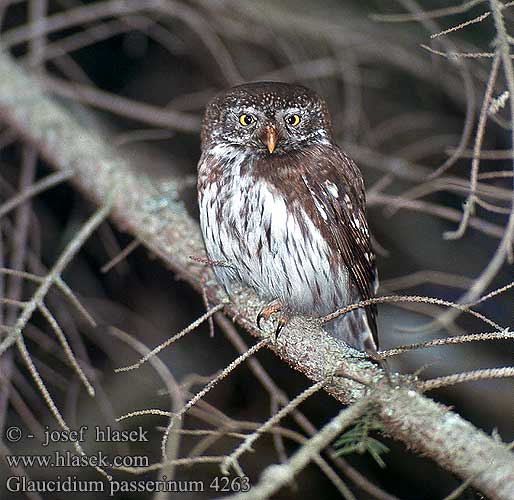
column 270, row 244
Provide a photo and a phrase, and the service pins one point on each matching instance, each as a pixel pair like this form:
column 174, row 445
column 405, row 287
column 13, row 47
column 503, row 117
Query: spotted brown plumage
column 284, row 207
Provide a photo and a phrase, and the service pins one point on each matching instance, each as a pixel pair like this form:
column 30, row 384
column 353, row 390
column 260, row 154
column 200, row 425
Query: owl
column 282, row 208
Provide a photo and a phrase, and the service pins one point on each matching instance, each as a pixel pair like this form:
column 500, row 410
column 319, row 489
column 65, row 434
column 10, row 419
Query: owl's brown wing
column 339, row 191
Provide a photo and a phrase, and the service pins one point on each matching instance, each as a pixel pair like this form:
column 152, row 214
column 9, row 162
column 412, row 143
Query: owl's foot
column 272, row 308
column 265, row 313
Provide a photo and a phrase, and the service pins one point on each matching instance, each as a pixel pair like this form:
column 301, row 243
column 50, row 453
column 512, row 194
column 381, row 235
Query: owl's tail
column 353, row 328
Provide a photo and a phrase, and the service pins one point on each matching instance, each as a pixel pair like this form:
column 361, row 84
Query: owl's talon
column 267, row 311
column 260, row 317
column 282, row 322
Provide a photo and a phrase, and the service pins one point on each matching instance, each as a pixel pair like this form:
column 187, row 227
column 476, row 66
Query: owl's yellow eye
column 293, row 120
column 246, row 120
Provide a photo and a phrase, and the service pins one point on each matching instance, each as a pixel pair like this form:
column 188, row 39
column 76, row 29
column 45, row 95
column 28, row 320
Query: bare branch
column 479, row 137
column 195, row 324
column 459, row 378
column 34, row 189
column 276, row 476
column 409, row 298
column 69, row 252
column 446, row 11
column 173, row 389
column 460, row 339
column 232, row 459
column 145, row 113
column 226, row 371
column 475, row 20
column 66, row 348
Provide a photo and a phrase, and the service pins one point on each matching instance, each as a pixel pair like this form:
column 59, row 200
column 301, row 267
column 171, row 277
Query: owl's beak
column 271, row 138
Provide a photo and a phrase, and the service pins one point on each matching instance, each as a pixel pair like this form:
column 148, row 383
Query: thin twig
column 69, row 252
column 460, row 339
column 445, row 11
column 409, row 298
column 278, row 394
column 121, row 256
column 129, row 108
column 479, row 137
column 167, row 463
column 36, row 188
column 275, row 477
column 195, row 324
column 459, row 378
column 173, row 389
column 66, row 348
column 232, row 459
column 458, row 55
column 25, row 356
column 226, row 371
column 475, row 20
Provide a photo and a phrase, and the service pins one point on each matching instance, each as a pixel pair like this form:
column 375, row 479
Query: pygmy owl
column 282, row 208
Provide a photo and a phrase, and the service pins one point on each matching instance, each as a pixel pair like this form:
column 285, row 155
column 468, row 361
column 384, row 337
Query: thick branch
column 424, row 426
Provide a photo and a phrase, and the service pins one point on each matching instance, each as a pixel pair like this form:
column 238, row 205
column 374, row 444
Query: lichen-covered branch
column 423, row 425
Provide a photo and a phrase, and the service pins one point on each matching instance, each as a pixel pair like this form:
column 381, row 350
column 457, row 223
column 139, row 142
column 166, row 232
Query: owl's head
column 267, row 118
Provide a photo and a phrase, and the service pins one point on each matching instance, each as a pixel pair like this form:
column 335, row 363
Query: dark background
column 397, row 110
